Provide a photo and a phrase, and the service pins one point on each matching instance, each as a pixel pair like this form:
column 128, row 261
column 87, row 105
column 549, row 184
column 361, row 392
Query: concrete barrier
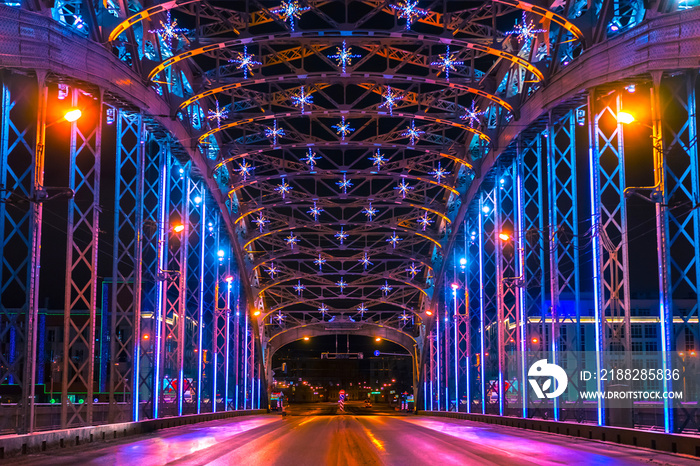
column 660, row 441
column 15, row 445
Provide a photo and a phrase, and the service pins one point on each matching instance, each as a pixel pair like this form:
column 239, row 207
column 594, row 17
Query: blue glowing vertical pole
column 229, row 285
column 596, row 250
column 497, row 210
column 456, row 328
column 437, row 350
column 200, row 304
column 467, row 322
column 163, row 228
column 185, row 202
column 482, row 310
column 237, row 343
column 245, row 359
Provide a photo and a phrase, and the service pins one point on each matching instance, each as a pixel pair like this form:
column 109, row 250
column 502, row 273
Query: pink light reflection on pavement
column 170, row 446
column 522, row 445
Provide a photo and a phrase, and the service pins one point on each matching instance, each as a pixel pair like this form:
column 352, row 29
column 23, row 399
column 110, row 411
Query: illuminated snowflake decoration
column 218, row 114
column 403, row 188
column 343, row 128
column 447, row 63
column 404, row 318
column 409, row 11
column 274, row 132
column 301, row 99
column 245, row 62
column 370, row 212
column 342, row 284
column 439, row 173
column 272, row 270
column 413, row 270
column 320, row 261
column 390, row 99
column 315, row 211
column 341, row 235
column 283, row 188
column 344, row 184
column 386, row 288
column 310, row 159
column 323, row 309
column 365, row 261
column 472, row 114
column 291, row 240
column 378, row 160
column 412, row 133
column 362, row 309
column 261, row 221
column 394, row 240
column 344, row 57
column 280, row 318
column 289, row 11
column 244, row 169
column 168, row 31
column 299, row 288
column 425, row 221
column 525, row 31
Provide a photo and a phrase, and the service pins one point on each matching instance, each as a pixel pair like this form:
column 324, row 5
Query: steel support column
column 563, row 237
column 674, row 123
column 610, row 215
column 125, row 297
column 533, row 211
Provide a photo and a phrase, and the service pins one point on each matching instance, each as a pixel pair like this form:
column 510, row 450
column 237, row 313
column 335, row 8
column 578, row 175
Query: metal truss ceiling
column 346, row 132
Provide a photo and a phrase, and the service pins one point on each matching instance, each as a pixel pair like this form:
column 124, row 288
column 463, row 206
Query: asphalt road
column 319, row 435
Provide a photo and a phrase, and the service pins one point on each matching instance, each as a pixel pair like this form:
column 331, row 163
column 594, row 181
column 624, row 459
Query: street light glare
column 73, row 114
column 625, row 118
column 377, row 339
column 306, row 338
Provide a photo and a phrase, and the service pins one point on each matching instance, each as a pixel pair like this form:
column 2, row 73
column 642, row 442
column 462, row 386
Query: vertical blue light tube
column 595, row 241
column 162, row 251
column 200, row 310
column 245, row 365
column 437, row 349
column 482, row 329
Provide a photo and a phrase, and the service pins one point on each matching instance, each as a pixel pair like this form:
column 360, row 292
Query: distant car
column 368, row 404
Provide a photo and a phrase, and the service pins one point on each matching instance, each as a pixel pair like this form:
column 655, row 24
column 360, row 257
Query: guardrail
column 15, row 445
column 659, row 441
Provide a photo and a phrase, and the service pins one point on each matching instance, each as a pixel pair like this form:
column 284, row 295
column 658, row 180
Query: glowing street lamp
column 504, row 236
column 72, row 115
column 625, row 118
column 179, row 228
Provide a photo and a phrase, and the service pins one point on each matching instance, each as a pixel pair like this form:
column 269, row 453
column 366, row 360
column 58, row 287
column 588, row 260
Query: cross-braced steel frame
column 349, row 171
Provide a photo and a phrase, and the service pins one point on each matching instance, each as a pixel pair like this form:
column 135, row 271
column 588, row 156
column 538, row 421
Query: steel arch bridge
column 447, row 176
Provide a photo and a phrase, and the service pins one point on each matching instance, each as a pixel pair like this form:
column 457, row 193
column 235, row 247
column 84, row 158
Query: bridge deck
column 317, row 435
